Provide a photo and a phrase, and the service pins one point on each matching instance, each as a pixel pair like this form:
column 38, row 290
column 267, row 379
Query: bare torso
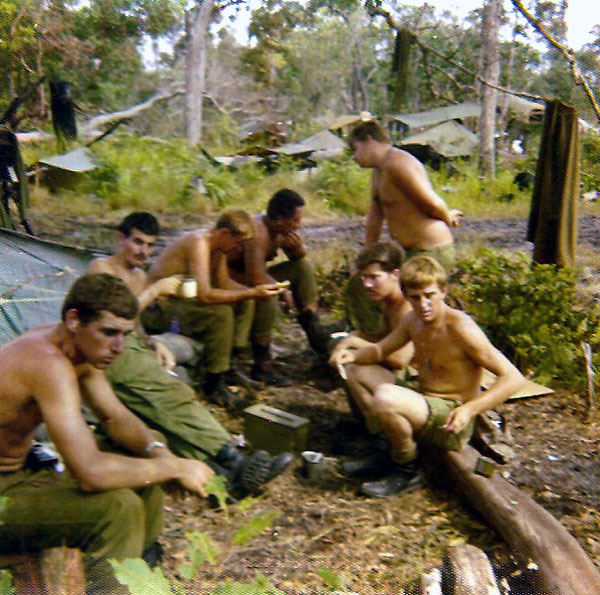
column 176, row 258
column 445, row 368
column 134, row 278
column 264, row 242
column 20, row 363
column 408, row 222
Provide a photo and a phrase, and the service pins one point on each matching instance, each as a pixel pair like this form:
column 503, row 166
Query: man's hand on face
column 293, row 241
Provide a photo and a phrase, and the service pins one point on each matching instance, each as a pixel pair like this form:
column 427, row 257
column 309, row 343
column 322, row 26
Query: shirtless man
column 161, row 400
column 379, row 269
column 402, row 196
column 278, row 229
column 138, row 234
column 105, row 503
column 221, row 315
column 451, row 352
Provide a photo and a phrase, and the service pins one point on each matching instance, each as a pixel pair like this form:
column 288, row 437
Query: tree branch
column 374, row 9
column 567, row 53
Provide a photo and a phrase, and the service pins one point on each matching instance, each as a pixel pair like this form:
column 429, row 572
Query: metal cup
column 313, row 464
column 189, row 288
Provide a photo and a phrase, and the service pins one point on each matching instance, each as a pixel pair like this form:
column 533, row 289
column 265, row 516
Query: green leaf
column 217, row 486
column 201, row 549
column 140, row 579
column 254, row 527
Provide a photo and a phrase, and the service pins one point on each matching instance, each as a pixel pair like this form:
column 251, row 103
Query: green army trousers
column 46, row 509
column 303, row 285
column 363, row 313
column 219, row 327
column 165, row 403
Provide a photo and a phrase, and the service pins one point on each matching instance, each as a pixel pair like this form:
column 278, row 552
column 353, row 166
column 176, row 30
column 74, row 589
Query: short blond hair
column 238, row 222
column 421, row 271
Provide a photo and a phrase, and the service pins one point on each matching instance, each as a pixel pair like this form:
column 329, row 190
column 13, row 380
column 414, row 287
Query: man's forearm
column 501, row 390
column 370, row 354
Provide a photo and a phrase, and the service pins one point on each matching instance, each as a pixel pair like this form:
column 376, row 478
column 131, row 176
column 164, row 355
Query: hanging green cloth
column 553, row 216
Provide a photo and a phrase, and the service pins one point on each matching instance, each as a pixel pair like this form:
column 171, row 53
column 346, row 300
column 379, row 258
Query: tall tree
column 197, row 20
column 489, row 95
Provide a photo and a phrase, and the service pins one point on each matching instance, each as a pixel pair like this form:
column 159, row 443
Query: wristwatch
column 154, row 444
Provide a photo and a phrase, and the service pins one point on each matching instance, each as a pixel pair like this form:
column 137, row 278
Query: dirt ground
column 378, row 546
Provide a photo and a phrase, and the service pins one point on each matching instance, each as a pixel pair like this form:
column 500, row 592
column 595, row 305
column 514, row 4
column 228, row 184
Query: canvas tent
column 405, row 123
column 449, row 139
column 63, row 171
column 34, row 277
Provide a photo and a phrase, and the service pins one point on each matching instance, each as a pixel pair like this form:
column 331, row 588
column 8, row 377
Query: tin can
column 189, row 288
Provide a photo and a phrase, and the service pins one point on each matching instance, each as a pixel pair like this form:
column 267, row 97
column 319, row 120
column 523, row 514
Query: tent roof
column 78, row 160
column 324, row 140
column 450, row 139
column 449, row 112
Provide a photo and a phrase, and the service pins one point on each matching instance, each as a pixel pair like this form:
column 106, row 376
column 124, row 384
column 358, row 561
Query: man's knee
column 389, row 398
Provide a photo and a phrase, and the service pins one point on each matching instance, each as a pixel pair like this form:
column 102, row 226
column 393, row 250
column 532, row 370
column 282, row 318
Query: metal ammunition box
column 485, row 467
column 274, row 430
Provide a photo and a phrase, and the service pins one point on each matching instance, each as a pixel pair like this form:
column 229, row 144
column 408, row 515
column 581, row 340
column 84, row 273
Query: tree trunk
column 491, row 73
column 534, row 536
column 197, row 21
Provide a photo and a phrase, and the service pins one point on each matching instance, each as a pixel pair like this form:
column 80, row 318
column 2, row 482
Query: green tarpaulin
column 34, row 277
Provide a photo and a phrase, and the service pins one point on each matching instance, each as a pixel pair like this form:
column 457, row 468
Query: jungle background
column 305, row 63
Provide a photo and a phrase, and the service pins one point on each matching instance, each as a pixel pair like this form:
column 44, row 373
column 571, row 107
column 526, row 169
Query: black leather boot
column 377, row 463
column 317, row 334
column 263, row 368
column 217, row 391
column 404, row 478
column 248, row 474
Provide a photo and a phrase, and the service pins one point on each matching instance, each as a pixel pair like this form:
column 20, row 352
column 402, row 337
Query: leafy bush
column 343, row 186
column 590, row 161
column 141, row 579
column 533, row 314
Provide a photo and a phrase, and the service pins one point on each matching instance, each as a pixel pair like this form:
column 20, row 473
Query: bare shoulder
column 462, row 327
column 34, row 358
column 101, row 264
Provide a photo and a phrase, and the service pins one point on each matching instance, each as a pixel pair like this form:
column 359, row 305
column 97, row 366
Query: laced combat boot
column 216, row 390
column 377, row 463
column 403, row 478
column 318, row 335
column 248, row 474
column 263, row 368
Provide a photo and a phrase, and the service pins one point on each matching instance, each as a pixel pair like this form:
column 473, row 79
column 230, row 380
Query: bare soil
column 378, row 546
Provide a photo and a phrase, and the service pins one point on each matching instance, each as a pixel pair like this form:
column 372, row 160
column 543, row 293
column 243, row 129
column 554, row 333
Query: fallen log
column 54, row 571
column 533, row 534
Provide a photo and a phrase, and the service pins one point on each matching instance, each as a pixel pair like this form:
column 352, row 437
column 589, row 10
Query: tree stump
column 54, row 571
column 467, row 571
column 535, row 537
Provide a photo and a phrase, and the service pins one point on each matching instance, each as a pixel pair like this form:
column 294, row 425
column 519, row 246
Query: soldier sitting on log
column 451, row 352
column 107, row 504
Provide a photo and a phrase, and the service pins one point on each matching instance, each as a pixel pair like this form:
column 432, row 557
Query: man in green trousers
column 107, row 504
